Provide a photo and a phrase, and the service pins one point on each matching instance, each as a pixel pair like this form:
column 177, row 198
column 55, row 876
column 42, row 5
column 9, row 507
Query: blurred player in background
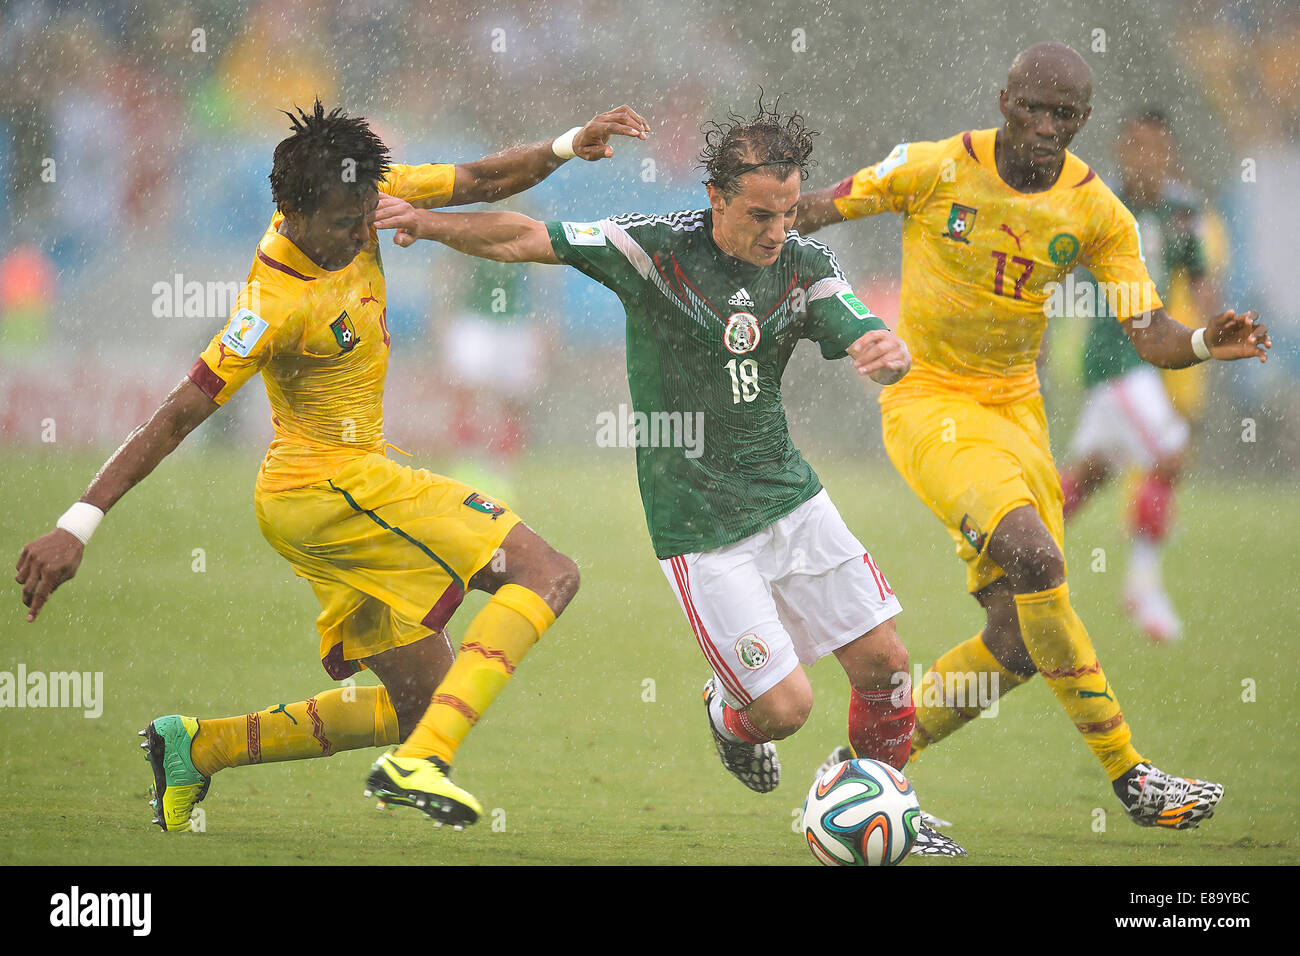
column 993, row 221
column 493, row 356
column 1129, row 419
column 759, row 558
column 389, row 551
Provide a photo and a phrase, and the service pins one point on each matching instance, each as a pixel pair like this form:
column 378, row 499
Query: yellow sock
column 344, row 718
column 946, row 685
column 496, row 641
column 1059, row 645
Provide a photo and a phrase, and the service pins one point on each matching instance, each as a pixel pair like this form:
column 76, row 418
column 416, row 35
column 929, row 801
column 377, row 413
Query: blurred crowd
column 154, row 120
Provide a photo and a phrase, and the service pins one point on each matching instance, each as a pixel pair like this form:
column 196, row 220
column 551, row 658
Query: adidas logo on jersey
column 741, row 298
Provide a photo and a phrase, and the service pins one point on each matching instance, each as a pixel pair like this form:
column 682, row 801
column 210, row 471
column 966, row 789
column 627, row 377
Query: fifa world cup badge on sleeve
column 245, row 328
column 584, row 234
column 854, row 304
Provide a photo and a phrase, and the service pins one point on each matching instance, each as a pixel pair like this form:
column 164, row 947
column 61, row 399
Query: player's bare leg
column 1081, row 479
column 411, row 674
column 993, row 663
column 531, row 585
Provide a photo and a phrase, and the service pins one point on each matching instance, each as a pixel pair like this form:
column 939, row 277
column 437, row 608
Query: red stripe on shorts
column 879, row 576
column 711, row 653
column 1126, row 403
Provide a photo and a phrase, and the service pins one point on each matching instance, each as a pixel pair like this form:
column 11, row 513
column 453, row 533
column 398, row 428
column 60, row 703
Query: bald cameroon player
column 389, row 551
column 993, row 220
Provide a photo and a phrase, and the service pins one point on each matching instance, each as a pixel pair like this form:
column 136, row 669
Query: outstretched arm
column 881, row 356
column 54, row 558
column 1169, row 344
column 817, row 209
column 503, row 174
column 503, row 236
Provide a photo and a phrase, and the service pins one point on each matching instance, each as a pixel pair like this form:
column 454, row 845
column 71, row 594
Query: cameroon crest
column 961, row 220
column 344, row 332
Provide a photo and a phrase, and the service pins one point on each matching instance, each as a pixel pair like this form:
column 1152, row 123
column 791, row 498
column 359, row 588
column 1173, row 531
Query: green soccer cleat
column 422, row 782
column 177, row 785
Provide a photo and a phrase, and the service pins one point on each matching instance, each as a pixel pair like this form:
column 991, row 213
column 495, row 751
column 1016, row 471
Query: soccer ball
column 861, row 813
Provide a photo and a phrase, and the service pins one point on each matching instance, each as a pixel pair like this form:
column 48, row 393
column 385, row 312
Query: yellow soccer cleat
column 177, row 785
column 422, row 782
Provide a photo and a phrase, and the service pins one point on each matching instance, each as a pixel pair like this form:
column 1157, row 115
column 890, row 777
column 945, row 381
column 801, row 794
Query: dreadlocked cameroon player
column 389, row 550
column 993, row 220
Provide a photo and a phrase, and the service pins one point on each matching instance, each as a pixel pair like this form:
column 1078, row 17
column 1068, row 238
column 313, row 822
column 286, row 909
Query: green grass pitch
column 597, row 751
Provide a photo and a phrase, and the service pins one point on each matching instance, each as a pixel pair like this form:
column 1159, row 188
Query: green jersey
column 1171, row 244
column 708, row 338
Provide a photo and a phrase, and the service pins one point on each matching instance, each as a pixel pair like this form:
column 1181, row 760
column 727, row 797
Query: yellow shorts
column 971, row 464
column 1187, row 389
column 387, row 549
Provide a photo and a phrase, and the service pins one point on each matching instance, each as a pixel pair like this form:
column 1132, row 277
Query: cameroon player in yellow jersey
column 993, row 220
column 390, row 551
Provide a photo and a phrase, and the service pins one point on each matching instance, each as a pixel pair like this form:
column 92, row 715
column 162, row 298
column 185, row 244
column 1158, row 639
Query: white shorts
column 1129, row 420
column 794, row 592
column 494, row 354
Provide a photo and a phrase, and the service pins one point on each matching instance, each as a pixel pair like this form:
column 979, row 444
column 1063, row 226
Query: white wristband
column 80, row 521
column 1199, row 347
column 563, row 145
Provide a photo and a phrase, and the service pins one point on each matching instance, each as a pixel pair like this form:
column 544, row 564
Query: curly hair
column 326, row 152
column 739, row 146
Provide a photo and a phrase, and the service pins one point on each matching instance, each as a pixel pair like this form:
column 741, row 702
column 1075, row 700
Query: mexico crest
column 742, row 333
column 961, row 220
column 753, row 653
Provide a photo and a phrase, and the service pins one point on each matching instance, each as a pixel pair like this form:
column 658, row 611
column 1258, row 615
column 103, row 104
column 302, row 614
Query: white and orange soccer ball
column 861, row 813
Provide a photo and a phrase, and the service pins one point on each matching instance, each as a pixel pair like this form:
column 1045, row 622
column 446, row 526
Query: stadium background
column 161, row 155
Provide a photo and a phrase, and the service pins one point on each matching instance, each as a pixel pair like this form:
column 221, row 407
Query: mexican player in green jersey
column 1128, row 420
column 763, row 566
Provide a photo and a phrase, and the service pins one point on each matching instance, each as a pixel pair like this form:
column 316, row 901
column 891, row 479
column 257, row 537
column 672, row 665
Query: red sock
column 1153, row 508
column 879, row 728
column 1070, row 489
column 738, row 722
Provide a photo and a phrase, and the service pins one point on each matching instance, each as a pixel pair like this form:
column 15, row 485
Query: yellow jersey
column 320, row 340
column 983, row 263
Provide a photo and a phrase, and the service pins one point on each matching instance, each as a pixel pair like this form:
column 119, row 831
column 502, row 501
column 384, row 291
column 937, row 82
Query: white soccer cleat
column 1154, row 798
column 754, row 765
column 1155, row 617
column 930, row 842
